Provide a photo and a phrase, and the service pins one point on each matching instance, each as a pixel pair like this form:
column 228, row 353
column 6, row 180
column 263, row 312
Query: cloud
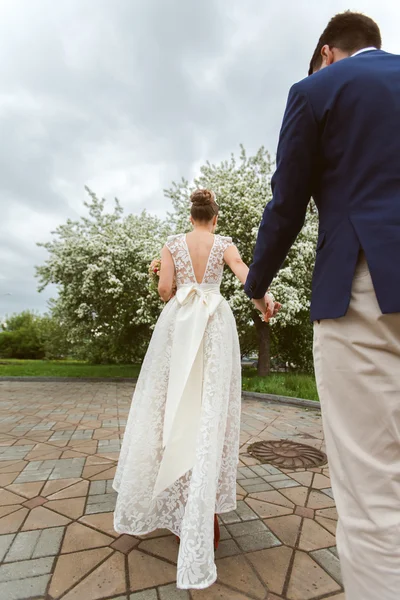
column 129, row 95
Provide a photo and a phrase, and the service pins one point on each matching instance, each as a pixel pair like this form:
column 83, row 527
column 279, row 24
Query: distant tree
column 100, row 266
column 21, row 337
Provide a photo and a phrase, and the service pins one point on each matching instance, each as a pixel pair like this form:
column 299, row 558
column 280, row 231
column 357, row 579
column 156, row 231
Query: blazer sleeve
column 291, row 184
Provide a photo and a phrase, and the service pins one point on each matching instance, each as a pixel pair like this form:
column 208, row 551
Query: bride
column 177, row 468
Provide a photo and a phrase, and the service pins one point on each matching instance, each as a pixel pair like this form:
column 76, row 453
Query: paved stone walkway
column 59, row 443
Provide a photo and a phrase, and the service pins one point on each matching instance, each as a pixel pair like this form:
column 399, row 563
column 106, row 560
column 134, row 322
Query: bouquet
column 154, row 275
column 154, row 272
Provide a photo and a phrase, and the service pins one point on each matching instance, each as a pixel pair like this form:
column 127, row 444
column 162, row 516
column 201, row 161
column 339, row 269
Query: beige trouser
column 357, row 363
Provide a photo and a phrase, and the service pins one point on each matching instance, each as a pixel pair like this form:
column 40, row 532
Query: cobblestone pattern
column 59, row 445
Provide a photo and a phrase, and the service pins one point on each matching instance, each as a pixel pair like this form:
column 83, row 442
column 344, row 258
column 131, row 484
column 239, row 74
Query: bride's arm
column 241, row 270
column 167, row 273
column 235, row 263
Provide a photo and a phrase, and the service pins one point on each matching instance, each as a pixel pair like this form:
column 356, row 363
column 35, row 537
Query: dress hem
column 123, row 531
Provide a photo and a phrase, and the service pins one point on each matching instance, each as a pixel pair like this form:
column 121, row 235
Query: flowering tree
column 100, row 265
column 242, row 188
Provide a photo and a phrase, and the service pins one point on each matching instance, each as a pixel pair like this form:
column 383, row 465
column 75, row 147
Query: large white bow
column 184, row 396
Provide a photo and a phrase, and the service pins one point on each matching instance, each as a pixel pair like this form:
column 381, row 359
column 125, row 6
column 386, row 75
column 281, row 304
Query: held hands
column 267, row 307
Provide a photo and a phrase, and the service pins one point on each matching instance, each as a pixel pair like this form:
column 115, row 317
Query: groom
column 340, row 144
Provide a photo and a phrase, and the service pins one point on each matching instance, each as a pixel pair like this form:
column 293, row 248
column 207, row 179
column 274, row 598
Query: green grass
column 282, row 384
column 63, row 368
column 294, row 385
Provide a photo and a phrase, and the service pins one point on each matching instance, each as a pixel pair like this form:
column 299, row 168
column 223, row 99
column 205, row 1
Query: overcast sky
column 128, row 95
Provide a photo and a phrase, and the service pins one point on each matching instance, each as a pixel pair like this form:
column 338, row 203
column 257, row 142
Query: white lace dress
column 180, row 450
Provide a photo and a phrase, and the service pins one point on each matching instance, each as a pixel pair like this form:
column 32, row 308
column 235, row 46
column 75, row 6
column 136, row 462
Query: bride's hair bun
column 202, row 197
column 204, row 208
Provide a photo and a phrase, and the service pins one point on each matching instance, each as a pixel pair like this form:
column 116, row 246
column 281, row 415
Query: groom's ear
column 327, row 56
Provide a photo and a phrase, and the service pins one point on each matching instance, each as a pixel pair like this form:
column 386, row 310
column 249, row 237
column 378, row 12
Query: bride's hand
column 277, row 308
column 266, row 306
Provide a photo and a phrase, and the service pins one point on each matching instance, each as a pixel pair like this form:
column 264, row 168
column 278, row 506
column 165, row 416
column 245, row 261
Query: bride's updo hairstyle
column 204, row 208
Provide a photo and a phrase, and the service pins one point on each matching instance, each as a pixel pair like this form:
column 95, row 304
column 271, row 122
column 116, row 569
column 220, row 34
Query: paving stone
column 247, row 528
column 254, row 481
column 103, row 522
column 308, row 579
column 231, row 517
column 35, row 502
column 43, row 426
column 67, row 468
column 101, row 507
column 14, row 453
column 297, row 495
column 273, row 498
column 266, row 509
column 272, row 470
column 146, row 595
column 23, row 546
column 77, row 490
column 97, row 488
column 259, row 470
column 27, row 568
column 321, row 482
column 272, row 566
column 314, row 537
column 247, row 473
column 61, row 435
column 12, row 522
column 42, row 518
column 8, row 498
column 318, row 501
column 72, row 568
column 146, row 571
column 31, row 587
column 236, row 572
column 303, row 478
column 261, row 487
column 27, row 490
column 49, row 542
column 82, row 434
column 79, row 537
column 245, row 512
column 125, row 544
column 225, row 535
column 286, row 528
column 100, row 498
column 258, row 541
column 328, row 561
column 280, row 477
column 170, row 592
column 227, row 548
column 307, row 513
column 5, row 543
column 218, row 592
column 334, row 551
column 283, row 484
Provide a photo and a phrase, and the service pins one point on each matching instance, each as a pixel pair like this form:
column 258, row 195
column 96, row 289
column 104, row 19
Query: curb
column 282, row 400
column 251, row 395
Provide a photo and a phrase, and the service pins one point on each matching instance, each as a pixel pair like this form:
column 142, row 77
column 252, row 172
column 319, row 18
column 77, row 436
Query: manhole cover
column 287, row 454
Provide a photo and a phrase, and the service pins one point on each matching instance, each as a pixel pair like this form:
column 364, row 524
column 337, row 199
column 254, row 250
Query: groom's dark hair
column 349, row 32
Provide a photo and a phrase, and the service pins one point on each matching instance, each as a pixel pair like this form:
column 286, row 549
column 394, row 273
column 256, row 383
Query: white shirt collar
column 363, row 50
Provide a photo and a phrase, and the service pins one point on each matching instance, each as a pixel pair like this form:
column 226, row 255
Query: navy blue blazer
column 340, row 144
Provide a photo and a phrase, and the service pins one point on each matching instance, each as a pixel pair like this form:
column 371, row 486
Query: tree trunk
column 264, row 346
